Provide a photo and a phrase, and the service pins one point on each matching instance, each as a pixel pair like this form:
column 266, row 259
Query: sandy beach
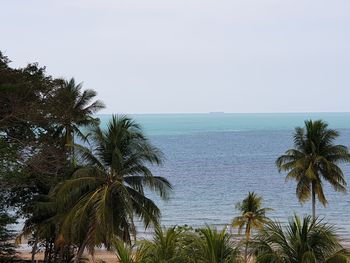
column 106, row 256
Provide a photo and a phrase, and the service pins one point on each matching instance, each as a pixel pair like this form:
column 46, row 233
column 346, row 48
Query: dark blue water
column 213, row 160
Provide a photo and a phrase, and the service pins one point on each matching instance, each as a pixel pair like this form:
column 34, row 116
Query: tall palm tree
column 74, row 110
column 314, row 159
column 253, row 216
column 301, row 241
column 103, row 196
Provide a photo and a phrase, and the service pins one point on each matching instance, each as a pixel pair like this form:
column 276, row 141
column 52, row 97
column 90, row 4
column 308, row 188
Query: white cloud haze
column 190, row 56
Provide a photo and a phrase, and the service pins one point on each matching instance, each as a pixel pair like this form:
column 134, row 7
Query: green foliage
column 33, row 158
column 216, row 247
column 126, row 253
column 301, row 241
column 164, row 248
column 315, row 159
column 7, row 247
column 252, row 217
column 181, row 244
column 24, row 125
column 103, row 196
column 73, row 109
column 24, row 98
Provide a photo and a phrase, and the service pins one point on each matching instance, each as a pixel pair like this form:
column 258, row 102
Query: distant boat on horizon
column 216, row 112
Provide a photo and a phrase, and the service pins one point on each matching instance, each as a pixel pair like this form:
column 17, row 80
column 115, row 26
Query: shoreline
column 105, row 255
column 100, row 254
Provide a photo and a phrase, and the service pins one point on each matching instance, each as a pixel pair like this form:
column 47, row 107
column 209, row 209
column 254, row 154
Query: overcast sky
column 160, row 56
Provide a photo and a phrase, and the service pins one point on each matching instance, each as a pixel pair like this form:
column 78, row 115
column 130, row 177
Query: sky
column 190, row 56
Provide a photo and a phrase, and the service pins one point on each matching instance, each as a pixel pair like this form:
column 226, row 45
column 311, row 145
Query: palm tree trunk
column 79, row 253
column 69, row 143
column 247, row 235
column 34, row 250
column 46, row 254
column 313, row 201
column 73, row 153
column 246, row 252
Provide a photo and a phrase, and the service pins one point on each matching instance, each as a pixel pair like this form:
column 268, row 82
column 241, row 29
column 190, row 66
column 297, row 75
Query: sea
column 213, row 160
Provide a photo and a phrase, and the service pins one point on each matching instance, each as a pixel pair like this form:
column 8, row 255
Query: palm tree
column 103, row 196
column 315, row 158
column 307, row 241
column 127, row 253
column 165, row 247
column 252, row 217
column 75, row 110
column 216, row 247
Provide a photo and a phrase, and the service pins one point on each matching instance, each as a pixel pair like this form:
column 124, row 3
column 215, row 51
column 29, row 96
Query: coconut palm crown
column 253, row 216
column 75, row 109
column 105, row 194
column 165, row 247
column 216, row 247
column 301, row 241
column 315, row 159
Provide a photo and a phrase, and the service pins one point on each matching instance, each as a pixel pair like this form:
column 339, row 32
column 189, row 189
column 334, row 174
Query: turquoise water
column 177, row 124
column 213, row 160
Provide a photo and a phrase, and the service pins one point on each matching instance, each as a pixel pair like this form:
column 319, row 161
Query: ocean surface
column 214, row 160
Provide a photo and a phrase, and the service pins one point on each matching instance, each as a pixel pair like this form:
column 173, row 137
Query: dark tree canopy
column 33, row 158
column 7, row 247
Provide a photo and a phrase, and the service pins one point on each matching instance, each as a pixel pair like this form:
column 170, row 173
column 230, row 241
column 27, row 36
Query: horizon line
column 223, row 113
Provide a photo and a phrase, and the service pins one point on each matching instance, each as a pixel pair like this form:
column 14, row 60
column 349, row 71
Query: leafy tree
column 26, row 128
column 32, row 157
column 301, row 241
column 23, row 101
column 104, row 195
column 315, row 159
column 30, row 164
column 7, row 247
column 253, row 216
